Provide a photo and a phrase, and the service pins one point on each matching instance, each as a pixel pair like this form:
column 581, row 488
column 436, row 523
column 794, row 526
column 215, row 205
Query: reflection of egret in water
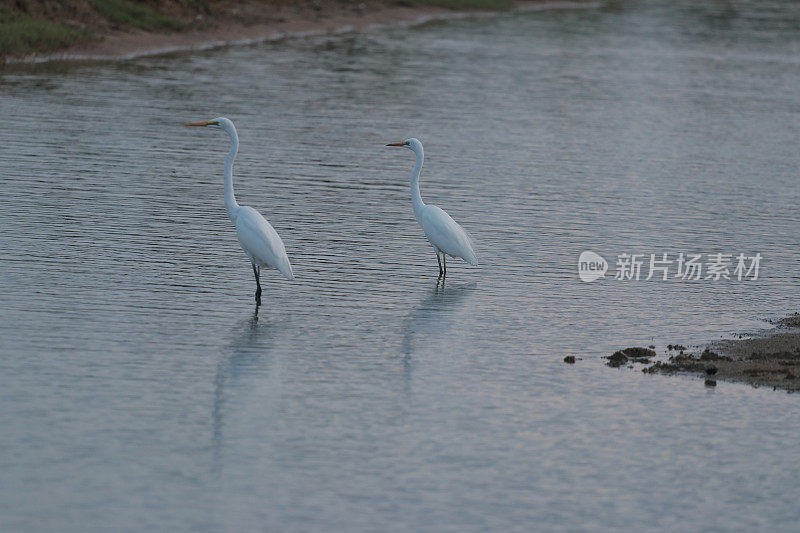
column 432, row 317
column 246, row 356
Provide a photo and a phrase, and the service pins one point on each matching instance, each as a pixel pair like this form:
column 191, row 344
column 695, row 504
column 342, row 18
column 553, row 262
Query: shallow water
column 139, row 391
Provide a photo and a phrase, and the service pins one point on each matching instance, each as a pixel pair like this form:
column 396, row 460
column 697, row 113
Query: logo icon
column 591, row 266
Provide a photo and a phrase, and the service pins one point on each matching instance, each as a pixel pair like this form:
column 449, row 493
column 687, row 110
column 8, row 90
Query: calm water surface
column 138, row 391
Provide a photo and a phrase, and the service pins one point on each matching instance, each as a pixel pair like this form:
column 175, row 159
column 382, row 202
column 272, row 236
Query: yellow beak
column 202, row 123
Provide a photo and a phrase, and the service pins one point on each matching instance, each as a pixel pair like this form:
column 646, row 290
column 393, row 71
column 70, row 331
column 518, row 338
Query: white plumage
column 257, row 237
column 261, row 242
column 445, row 234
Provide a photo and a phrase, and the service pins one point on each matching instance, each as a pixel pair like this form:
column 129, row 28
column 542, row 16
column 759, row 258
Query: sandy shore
column 770, row 358
column 249, row 24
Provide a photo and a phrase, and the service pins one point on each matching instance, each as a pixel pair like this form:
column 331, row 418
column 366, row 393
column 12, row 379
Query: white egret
column 257, row 237
column 445, row 234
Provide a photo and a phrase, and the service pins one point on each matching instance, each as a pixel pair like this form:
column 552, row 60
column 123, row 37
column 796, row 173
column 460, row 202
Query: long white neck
column 416, row 197
column 230, row 200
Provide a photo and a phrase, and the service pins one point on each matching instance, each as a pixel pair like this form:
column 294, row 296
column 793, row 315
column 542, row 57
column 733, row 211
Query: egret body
column 445, row 234
column 257, row 237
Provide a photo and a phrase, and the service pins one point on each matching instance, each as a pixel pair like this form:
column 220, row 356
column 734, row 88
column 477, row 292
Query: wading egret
column 444, row 233
column 257, row 237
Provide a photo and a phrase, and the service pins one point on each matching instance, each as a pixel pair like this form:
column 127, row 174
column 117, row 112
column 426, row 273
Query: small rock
column 617, row 359
column 711, row 370
column 708, row 355
column 621, row 357
column 637, row 352
column 710, row 383
column 570, row 359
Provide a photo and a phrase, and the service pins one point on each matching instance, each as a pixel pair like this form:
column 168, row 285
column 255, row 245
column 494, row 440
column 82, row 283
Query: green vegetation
column 22, row 34
column 42, row 26
column 135, row 14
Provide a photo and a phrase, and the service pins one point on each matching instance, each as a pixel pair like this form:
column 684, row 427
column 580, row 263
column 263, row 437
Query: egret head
column 411, row 144
column 219, row 123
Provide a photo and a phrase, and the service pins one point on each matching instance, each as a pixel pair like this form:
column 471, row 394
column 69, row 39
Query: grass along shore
column 40, row 27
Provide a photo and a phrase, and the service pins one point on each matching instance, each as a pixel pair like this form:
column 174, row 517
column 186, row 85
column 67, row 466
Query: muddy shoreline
column 770, row 358
column 249, row 23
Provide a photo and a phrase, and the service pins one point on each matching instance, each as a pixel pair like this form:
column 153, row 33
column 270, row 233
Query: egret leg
column 257, row 273
column 444, row 260
column 440, row 264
